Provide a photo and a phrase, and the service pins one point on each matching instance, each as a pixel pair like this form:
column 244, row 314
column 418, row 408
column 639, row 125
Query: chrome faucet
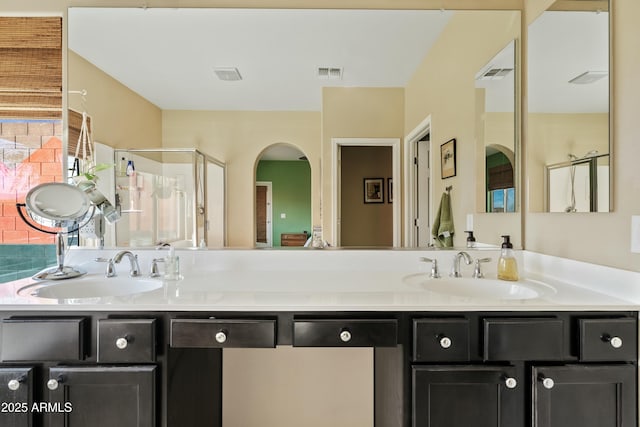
column 133, row 260
column 455, row 266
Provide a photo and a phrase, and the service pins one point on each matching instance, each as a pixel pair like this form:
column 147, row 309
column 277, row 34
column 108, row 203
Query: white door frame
column 269, row 186
column 336, row 143
column 409, row 178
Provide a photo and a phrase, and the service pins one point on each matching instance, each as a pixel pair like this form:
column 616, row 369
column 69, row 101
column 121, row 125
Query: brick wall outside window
column 30, row 154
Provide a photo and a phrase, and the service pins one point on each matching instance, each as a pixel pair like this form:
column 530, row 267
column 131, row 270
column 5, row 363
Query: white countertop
column 339, row 280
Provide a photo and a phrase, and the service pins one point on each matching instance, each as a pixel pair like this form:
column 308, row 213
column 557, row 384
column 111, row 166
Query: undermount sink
column 91, row 287
column 479, row 288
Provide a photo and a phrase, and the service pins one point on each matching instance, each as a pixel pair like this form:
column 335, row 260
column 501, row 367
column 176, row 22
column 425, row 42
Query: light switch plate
column 283, row 216
column 635, row 234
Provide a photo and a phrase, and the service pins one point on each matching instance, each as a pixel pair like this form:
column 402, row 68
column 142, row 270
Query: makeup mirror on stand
column 59, row 206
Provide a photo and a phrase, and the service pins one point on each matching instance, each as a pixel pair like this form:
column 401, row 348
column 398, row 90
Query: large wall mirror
column 232, row 82
column 568, row 155
column 496, row 129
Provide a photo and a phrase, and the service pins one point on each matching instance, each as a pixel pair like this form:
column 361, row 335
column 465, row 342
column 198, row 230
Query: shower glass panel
column 579, row 185
column 174, row 196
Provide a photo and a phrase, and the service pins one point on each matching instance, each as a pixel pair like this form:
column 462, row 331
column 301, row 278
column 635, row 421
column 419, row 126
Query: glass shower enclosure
column 174, row 196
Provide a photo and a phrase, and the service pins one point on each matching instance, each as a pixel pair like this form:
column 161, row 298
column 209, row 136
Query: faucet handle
column 435, row 274
column 111, row 267
column 153, row 270
column 477, row 272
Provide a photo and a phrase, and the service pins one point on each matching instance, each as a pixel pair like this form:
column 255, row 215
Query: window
column 30, row 135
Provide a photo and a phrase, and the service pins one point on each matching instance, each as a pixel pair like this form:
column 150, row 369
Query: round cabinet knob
column 548, row 383
column 616, row 342
column 52, row 384
column 14, row 385
column 345, row 336
column 122, row 343
column 510, row 382
column 445, row 342
column 221, row 337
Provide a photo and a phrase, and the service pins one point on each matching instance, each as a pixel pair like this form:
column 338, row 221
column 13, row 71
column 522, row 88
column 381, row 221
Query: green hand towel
column 443, row 230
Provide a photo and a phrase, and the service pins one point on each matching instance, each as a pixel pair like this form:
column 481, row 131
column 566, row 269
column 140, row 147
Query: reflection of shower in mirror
column 168, row 200
column 579, row 184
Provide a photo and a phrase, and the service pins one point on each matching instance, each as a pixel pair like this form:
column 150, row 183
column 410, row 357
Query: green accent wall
column 291, row 195
column 20, row 261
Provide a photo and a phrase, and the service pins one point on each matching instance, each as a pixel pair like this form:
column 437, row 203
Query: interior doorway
column 418, row 204
column 422, row 174
column 282, row 197
column 386, row 184
column 264, row 214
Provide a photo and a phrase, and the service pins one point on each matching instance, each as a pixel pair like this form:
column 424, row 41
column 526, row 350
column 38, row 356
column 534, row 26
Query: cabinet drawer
column 29, row 339
column 345, row 333
column 126, row 341
column 219, row 333
column 608, row 339
column 523, row 339
column 441, row 340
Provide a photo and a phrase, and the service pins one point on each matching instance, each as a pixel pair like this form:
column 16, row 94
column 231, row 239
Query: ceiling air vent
column 494, row 74
column 330, row 73
column 588, row 77
column 228, row 74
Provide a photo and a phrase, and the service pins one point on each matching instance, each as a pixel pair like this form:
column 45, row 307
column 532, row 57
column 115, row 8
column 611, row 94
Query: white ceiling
column 168, row 55
column 563, row 45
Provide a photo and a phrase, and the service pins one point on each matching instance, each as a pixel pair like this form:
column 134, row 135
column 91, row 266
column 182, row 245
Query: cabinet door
column 102, row 396
column 463, row 396
column 584, row 396
column 16, row 397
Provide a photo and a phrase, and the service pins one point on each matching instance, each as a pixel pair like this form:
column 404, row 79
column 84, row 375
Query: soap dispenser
column 507, row 265
column 471, row 241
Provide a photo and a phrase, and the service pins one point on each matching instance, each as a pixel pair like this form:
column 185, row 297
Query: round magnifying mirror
column 57, row 204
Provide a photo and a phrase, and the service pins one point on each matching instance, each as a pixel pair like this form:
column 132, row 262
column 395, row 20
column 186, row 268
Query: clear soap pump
column 507, row 265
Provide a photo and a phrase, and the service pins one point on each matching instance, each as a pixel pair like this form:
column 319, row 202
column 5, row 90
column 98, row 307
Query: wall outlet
column 283, row 216
column 635, row 234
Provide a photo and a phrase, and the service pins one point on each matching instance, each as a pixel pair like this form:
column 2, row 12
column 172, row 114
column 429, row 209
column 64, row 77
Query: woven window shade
column 500, row 177
column 75, row 123
column 31, row 77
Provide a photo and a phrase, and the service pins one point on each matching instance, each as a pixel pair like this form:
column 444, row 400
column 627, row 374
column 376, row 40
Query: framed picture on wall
column 389, row 190
column 448, row 159
column 374, row 190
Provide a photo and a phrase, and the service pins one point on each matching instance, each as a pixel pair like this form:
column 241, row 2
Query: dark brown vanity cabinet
column 479, row 396
column 78, row 371
column 540, row 370
column 431, row 369
column 16, row 396
column 102, row 396
column 584, row 396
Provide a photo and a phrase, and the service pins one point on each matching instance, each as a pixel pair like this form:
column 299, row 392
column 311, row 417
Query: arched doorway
column 282, row 197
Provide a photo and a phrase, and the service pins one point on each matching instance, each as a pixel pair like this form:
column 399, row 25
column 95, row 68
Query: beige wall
column 126, row 120
column 444, row 88
column 238, row 138
column 356, row 113
column 365, row 224
column 552, row 137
